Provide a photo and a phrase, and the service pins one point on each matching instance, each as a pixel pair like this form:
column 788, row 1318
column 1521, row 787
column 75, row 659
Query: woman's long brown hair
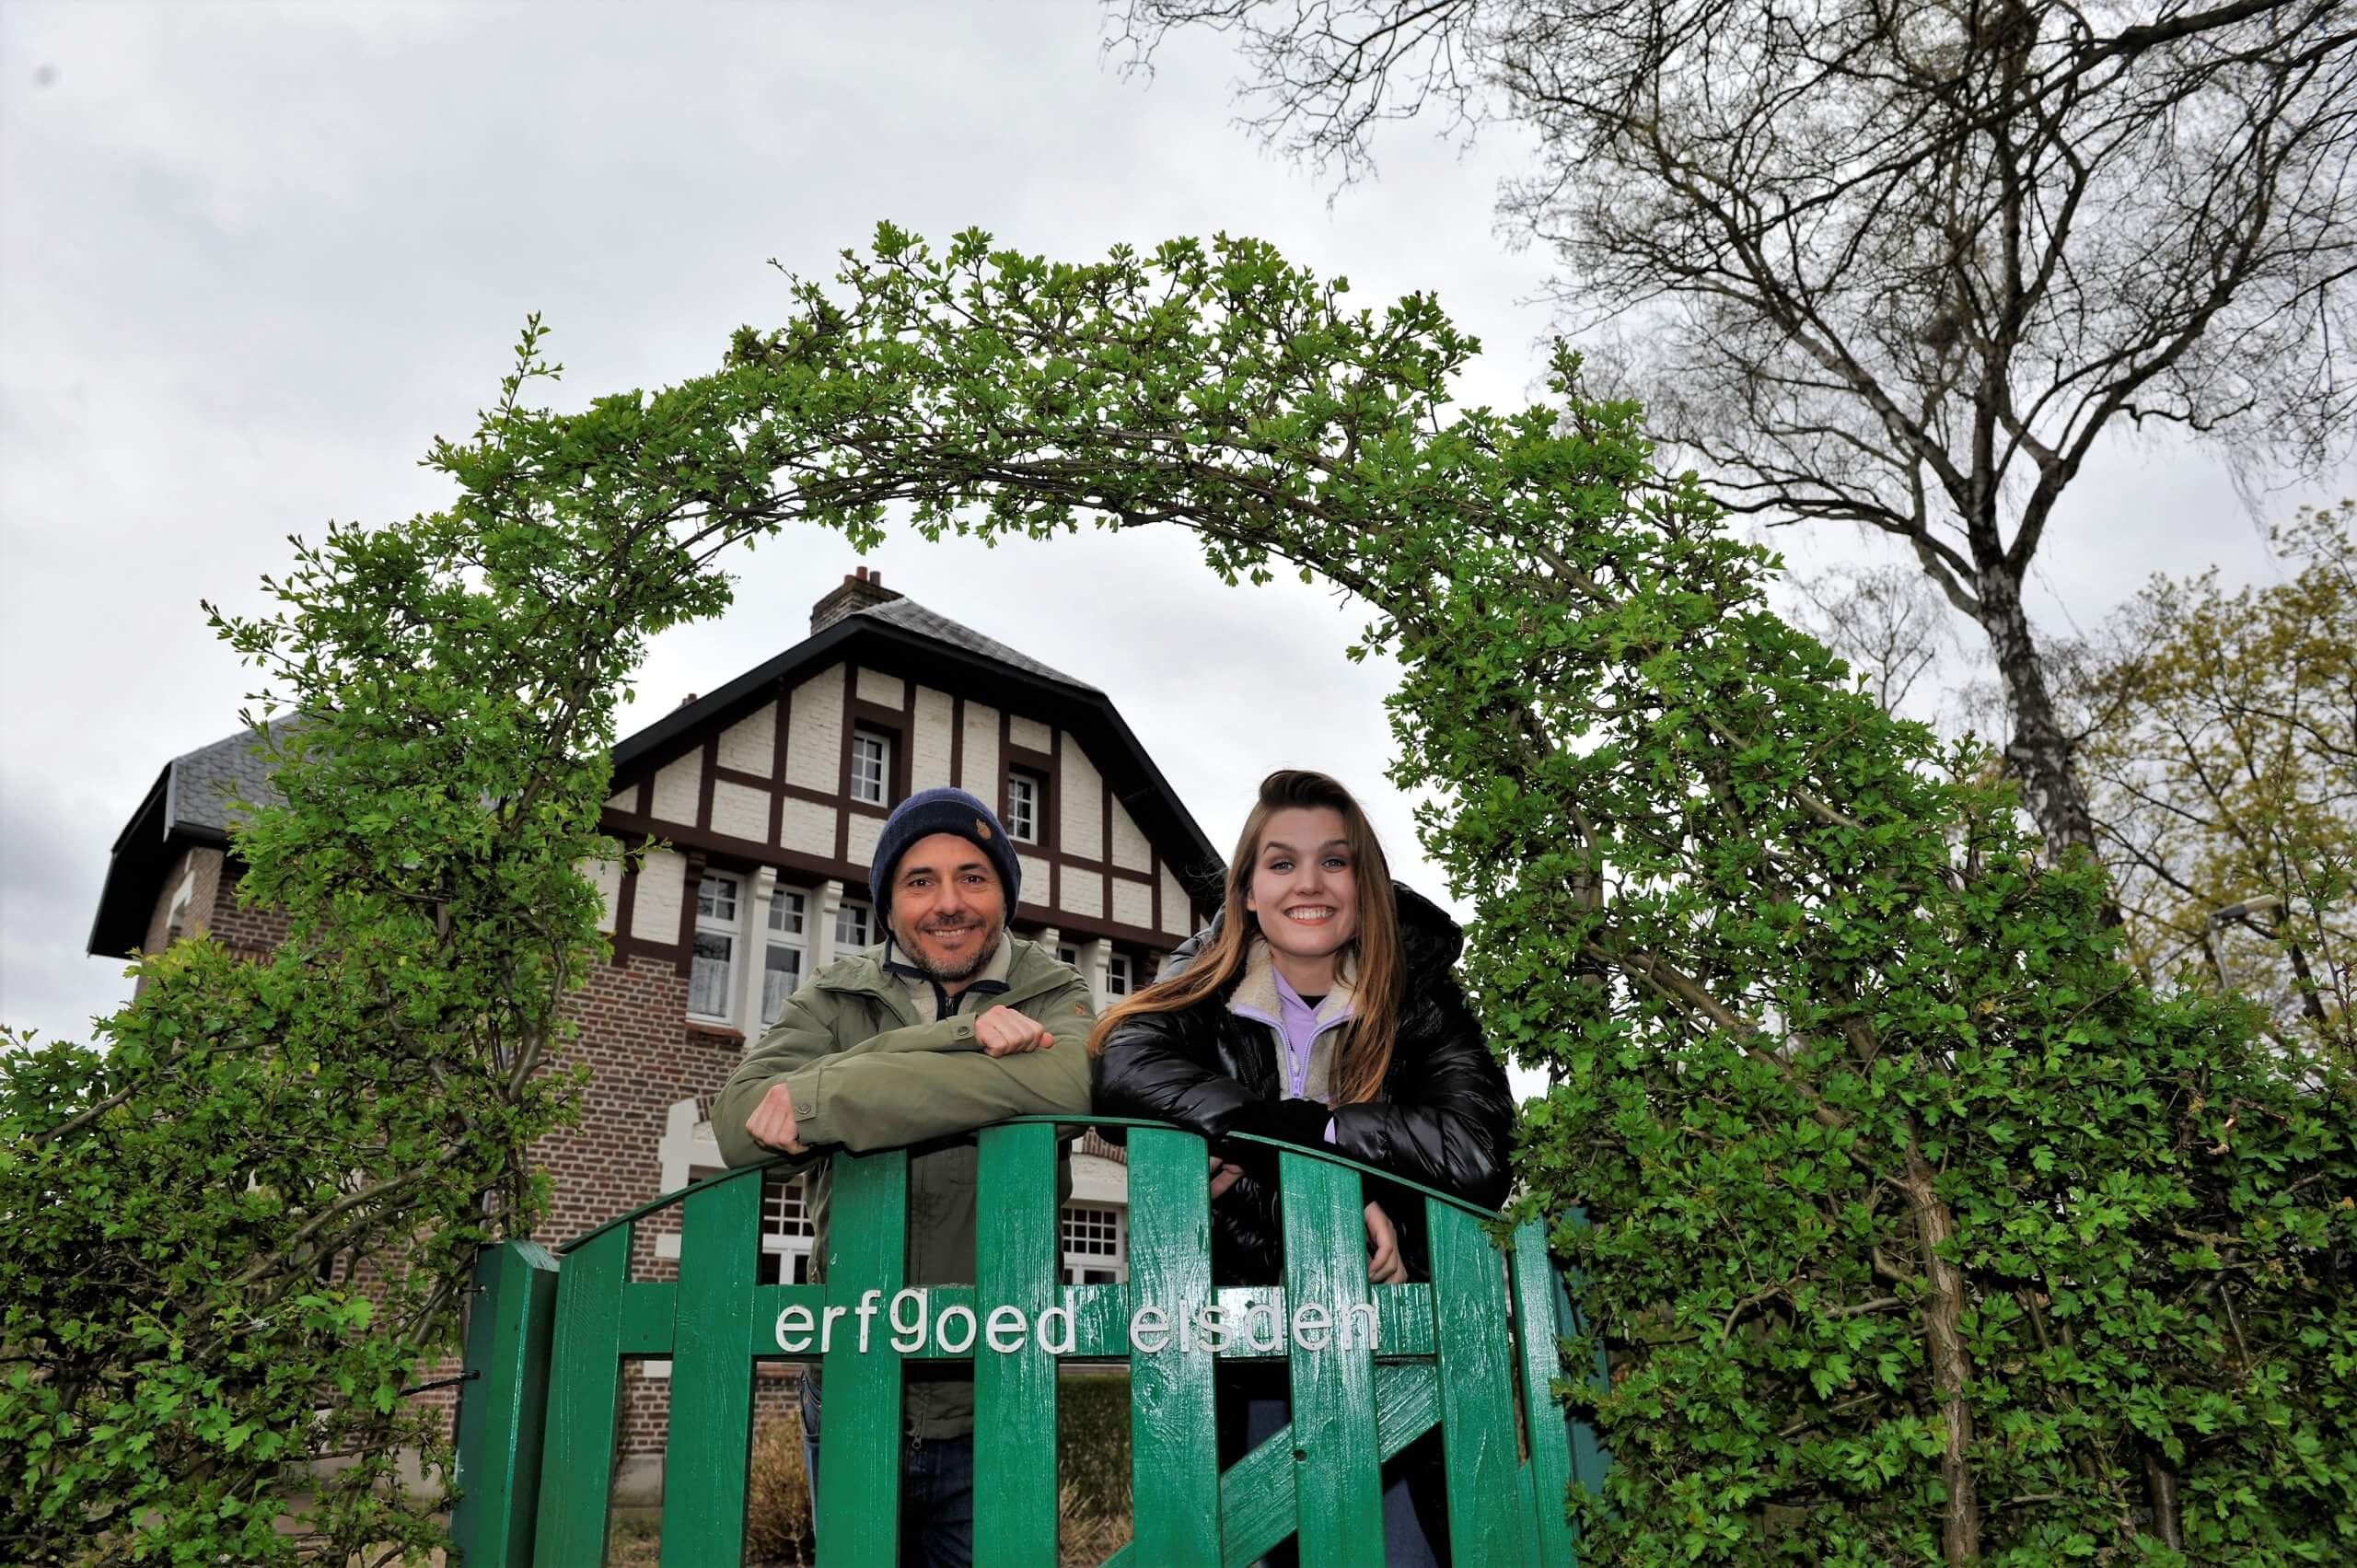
column 1366, row 1053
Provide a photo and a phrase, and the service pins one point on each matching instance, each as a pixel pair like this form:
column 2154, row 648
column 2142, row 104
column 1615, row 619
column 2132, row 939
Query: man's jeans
column 936, row 1491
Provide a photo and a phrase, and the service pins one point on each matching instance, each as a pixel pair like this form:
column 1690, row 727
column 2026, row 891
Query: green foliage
column 2223, row 772
column 1922, row 1228
column 237, row 1229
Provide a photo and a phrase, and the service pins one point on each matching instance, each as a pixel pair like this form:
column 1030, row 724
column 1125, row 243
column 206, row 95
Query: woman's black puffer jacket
column 1444, row 1117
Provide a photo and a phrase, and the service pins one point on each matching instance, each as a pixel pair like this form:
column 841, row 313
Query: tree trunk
column 1944, row 1338
column 2039, row 750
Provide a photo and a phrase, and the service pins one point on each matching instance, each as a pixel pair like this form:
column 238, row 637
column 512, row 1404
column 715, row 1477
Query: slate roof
column 200, row 784
column 912, row 616
column 189, row 802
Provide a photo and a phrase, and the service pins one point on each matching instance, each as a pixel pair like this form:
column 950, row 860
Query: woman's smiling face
column 1305, row 889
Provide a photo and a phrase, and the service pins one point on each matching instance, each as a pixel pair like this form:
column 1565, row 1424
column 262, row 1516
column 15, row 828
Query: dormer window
column 1025, row 796
column 871, row 766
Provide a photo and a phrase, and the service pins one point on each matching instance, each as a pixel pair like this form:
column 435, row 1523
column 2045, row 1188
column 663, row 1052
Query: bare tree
column 1898, row 264
column 1887, row 621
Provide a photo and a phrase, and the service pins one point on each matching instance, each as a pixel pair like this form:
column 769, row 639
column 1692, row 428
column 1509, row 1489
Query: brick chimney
column 858, row 591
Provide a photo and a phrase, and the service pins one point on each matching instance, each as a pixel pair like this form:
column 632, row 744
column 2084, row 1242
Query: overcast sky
column 253, row 258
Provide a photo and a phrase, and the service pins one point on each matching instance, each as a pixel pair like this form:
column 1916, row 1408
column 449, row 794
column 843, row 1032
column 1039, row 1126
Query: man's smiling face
column 948, row 912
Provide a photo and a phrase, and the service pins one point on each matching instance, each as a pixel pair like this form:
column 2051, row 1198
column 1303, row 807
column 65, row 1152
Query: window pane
column 780, row 977
column 786, row 909
column 708, row 975
column 1023, row 808
column 1067, row 954
column 1117, row 974
column 851, row 925
column 716, row 899
column 871, row 766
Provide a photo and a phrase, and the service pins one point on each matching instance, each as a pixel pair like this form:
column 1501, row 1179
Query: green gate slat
column 708, row 1445
column 1256, row 1495
column 1337, row 1480
column 1562, row 1451
column 859, row 1471
column 501, row 1410
column 1018, row 1262
column 585, row 1388
column 1589, row 1461
column 1477, row 1378
column 1174, row 1453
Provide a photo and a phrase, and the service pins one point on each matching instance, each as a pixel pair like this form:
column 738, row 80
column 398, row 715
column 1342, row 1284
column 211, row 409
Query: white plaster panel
column 1082, row 892
column 676, row 787
column 1029, row 733
column 1134, row 903
column 749, row 746
column 1130, row 849
column 1095, row 1180
column 814, row 750
column 740, row 811
column 1174, row 905
column 1035, row 879
column 980, row 773
column 662, row 887
column 808, row 827
column 929, row 750
column 860, row 849
column 608, row 876
column 1083, row 807
column 889, row 690
column 627, row 801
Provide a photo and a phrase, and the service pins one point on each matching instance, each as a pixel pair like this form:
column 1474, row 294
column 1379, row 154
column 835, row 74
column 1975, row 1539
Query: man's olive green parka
column 867, row 1072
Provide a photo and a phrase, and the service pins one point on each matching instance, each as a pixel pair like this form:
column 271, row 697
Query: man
column 947, row 1026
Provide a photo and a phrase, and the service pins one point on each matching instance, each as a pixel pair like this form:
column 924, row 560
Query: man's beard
column 949, row 973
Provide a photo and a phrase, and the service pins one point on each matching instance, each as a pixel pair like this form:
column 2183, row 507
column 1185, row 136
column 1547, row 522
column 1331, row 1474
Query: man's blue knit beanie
column 932, row 811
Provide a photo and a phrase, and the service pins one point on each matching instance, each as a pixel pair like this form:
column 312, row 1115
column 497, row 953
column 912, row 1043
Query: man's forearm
column 881, row 1102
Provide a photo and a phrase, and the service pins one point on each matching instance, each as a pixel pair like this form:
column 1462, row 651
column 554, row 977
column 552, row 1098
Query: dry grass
column 777, row 1514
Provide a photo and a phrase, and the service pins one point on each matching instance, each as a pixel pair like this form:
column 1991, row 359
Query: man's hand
column 1003, row 1031
column 1382, row 1264
column 772, row 1122
column 1224, row 1175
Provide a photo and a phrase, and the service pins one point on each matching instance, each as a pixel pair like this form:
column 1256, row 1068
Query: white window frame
column 847, row 912
column 1084, row 1247
column 860, row 781
column 1121, row 975
column 730, row 928
column 1023, row 826
column 789, row 1229
column 786, row 904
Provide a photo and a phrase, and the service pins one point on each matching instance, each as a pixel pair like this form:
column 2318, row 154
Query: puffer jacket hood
column 1443, row 1119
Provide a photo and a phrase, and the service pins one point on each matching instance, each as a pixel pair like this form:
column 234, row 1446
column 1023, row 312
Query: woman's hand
column 1382, row 1264
column 1224, row 1175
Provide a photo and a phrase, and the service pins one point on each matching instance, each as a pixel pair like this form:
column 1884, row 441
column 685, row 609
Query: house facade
column 748, row 816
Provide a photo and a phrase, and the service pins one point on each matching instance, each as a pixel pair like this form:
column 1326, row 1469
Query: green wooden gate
column 1372, row 1368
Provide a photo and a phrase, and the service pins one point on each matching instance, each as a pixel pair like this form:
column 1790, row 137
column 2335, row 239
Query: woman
column 1321, row 1009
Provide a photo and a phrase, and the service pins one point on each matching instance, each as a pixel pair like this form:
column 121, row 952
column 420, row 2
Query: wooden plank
column 648, row 1308
column 502, row 1409
column 859, row 1462
column 1174, row 1454
column 1539, row 1326
column 585, row 1388
column 1589, row 1459
column 1256, row 1495
column 1337, row 1482
column 1018, row 1262
column 1477, row 1376
column 707, row 1447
